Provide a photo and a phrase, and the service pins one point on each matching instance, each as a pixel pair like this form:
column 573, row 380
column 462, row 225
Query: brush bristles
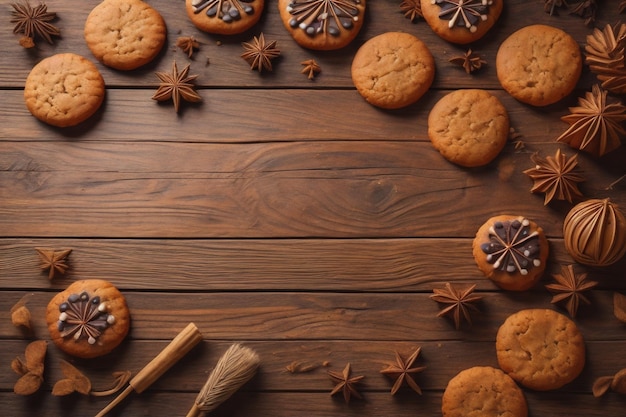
column 236, row 367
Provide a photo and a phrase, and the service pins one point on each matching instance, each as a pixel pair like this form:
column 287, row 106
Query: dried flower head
column 188, row 44
column 460, row 302
column 569, row 288
column 617, row 383
column 53, row 260
column 259, row 53
column 596, row 125
column 556, row 176
column 604, row 53
column 30, row 368
column 311, row 68
column 33, row 23
column 176, row 86
column 74, row 381
column 412, row 9
column 470, row 61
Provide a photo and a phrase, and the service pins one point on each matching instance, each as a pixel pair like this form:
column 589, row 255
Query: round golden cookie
column 461, row 21
column 468, row 127
column 540, row 348
column 322, row 28
column 393, row 70
column 124, row 34
column 539, row 64
column 64, row 90
column 511, row 251
column 483, row 391
column 89, row 319
column 224, row 17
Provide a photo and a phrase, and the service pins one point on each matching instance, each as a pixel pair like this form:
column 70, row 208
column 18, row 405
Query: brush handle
column 195, row 411
column 115, row 402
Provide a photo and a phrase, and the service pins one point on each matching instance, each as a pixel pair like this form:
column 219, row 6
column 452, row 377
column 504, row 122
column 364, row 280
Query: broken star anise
column 176, row 86
column 402, row 370
column 33, row 22
column 460, row 301
column 569, row 287
column 311, row 68
column 596, row 125
column 259, row 53
column 412, row 9
column 53, row 260
column 345, row 383
column 556, row 176
column 469, row 61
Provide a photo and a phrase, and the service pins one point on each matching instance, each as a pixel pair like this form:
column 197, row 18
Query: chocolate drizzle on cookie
column 227, row 10
column 463, row 13
column 323, row 16
column 83, row 317
column 512, row 247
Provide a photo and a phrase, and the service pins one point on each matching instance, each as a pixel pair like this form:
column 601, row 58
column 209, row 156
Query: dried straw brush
column 236, row 367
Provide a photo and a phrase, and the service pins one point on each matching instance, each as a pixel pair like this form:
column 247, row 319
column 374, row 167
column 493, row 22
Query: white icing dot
column 496, row 264
column 473, row 28
column 524, row 271
column 63, row 316
column 302, row 26
column 525, row 222
column 511, row 268
column 527, row 253
column 102, row 307
column 91, row 340
column 536, row 262
column 110, row 319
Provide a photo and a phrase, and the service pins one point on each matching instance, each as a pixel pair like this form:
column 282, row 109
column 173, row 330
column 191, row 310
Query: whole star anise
column 176, row 86
column 569, row 287
column 53, row 260
column 412, row 9
column 259, row 53
column 311, row 68
column 605, row 53
column 596, row 125
column 470, row 61
column 402, row 370
column 188, row 44
column 556, row 176
column 345, row 383
column 33, row 22
column 461, row 302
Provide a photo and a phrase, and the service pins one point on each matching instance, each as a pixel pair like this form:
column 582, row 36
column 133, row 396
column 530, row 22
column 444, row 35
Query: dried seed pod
column 595, row 232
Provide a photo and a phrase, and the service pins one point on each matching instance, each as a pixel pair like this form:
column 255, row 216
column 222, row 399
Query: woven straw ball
column 595, row 232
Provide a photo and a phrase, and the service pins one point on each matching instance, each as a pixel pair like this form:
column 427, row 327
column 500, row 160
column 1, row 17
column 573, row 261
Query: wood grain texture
column 286, row 214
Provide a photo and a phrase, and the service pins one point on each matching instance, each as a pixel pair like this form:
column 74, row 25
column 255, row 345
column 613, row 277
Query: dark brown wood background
column 286, row 214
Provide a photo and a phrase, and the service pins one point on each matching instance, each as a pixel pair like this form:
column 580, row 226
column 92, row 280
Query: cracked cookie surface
column 540, row 348
column 393, row 70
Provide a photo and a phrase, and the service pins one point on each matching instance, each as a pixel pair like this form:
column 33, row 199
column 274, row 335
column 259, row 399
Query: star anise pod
column 402, row 370
column 596, row 125
column 33, row 22
column 460, row 302
column 569, row 287
column 259, row 53
column 586, row 9
column 188, row 44
column 311, row 68
column 469, row 61
column 604, row 53
column 551, row 5
column 556, row 176
column 176, row 86
column 53, row 260
column 412, row 9
column 345, row 383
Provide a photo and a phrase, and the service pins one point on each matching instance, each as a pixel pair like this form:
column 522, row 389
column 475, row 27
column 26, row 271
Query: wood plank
column 366, row 358
column 227, row 69
column 320, row 315
column 398, row 265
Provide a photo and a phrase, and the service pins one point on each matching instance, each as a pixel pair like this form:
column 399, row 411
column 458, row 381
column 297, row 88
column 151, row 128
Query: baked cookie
column 89, row 319
column 468, row 127
column 461, row 21
column 511, row 251
column 539, row 64
column 64, row 90
column 483, row 391
column 322, row 25
column 393, row 70
column 224, row 17
column 124, row 34
column 540, row 348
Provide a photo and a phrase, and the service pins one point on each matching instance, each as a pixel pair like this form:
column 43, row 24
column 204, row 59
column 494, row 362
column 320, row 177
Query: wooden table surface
column 285, row 214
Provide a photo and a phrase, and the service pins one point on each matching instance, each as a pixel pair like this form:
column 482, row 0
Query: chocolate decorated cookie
column 224, row 17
